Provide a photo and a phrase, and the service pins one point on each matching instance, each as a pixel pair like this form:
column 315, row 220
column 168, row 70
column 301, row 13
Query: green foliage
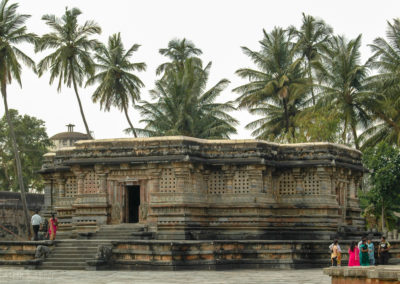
column 32, row 143
column 12, row 32
column 384, row 101
column 383, row 161
column 183, row 104
column 118, row 86
column 318, row 124
column 277, row 90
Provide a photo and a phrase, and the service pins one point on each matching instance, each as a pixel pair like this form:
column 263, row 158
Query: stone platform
column 177, row 255
column 388, row 274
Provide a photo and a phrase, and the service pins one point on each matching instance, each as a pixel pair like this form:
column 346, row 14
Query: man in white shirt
column 36, row 221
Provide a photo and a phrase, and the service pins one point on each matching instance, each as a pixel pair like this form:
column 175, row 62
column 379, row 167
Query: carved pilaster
column 298, row 177
column 61, row 187
column 102, row 182
column 229, row 175
column 325, row 182
column 81, row 184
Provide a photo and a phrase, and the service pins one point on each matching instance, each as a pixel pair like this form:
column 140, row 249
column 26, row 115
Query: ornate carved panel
column 241, row 182
column 287, row 184
column 216, row 183
column 311, row 184
column 71, row 187
column 91, row 183
column 167, row 181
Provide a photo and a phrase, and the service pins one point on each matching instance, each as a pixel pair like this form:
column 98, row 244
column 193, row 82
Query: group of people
column 48, row 227
column 361, row 254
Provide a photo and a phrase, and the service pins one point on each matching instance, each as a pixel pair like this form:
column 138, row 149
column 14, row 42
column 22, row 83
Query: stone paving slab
column 308, row 276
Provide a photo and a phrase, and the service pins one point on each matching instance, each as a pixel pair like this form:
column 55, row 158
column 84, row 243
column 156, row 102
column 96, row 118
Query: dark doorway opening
column 133, row 202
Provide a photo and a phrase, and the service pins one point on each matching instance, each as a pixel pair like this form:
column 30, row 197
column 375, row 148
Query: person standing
column 53, row 226
column 383, row 251
column 354, row 259
column 364, row 259
column 371, row 252
column 335, row 255
column 36, row 220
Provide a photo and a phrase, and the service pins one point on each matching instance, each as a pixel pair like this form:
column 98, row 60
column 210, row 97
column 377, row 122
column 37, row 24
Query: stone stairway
column 72, row 254
column 122, row 232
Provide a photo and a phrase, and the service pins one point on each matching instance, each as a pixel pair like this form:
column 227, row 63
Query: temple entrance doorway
column 132, row 203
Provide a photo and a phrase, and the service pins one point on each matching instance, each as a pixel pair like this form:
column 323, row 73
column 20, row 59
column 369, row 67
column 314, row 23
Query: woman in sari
column 354, row 255
column 53, row 226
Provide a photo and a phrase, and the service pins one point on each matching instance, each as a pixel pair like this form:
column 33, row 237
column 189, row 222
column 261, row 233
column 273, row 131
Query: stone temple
column 183, row 188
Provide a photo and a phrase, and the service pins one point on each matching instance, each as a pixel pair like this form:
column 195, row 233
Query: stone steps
column 72, row 254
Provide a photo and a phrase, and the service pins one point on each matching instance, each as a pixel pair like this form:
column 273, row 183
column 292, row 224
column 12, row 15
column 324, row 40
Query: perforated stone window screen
column 90, row 183
column 216, row 183
column 287, row 184
column 167, row 181
column 71, row 187
column 241, row 183
column 311, row 184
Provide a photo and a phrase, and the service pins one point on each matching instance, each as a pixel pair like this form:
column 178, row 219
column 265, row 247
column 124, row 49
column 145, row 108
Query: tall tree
column 183, row 105
column 71, row 61
column 32, row 140
column 12, row 32
column 118, row 86
column 384, row 102
column 343, row 85
column 311, row 39
column 178, row 51
column 278, row 89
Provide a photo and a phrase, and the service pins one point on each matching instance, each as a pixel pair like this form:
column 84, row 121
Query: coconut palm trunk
column 312, row 81
column 80, row 106
column 17, row 160
column 129, row 121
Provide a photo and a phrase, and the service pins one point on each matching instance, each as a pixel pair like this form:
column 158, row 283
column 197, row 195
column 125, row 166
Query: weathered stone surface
column 191, row 188
column 12, row 218
column 364, row 274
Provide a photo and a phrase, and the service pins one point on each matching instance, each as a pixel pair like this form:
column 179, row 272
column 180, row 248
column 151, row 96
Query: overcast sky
column 218, row 27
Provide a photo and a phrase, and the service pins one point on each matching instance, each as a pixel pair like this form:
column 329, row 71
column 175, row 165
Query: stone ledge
column 387, row 272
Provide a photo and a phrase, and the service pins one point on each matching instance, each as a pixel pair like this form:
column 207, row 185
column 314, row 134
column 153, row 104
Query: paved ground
column 309, row 276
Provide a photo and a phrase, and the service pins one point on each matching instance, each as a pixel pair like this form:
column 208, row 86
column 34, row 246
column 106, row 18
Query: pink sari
column 53, row 225
column 354, row 257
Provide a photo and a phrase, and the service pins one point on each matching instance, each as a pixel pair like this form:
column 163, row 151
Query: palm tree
column 183, row 107
column 384, row 103
column 343, row 85
column 13, row 31
column 312, row 38
column 117, row 85
column 71, row 61
column 178, row 51
column 280, row 82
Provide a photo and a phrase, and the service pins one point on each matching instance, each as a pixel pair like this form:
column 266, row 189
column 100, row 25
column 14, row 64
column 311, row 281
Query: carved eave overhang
column 211, row 152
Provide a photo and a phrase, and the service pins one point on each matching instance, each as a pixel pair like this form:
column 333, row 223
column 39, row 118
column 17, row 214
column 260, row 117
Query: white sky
column 217, row 27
